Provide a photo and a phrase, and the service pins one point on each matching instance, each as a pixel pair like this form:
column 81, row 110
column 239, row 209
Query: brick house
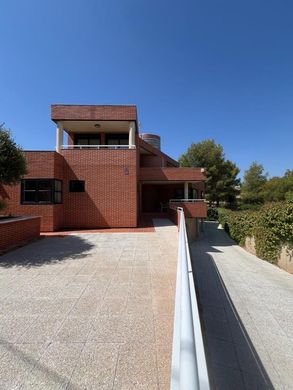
column 105, row 175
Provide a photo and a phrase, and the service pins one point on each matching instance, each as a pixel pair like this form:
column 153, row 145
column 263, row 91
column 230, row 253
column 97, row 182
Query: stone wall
column 285, row 260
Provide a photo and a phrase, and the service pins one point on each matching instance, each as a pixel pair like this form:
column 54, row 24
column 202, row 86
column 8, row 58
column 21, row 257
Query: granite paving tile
column 96, row 366
column 55, row 367
column 42, row 330
column 137, row 364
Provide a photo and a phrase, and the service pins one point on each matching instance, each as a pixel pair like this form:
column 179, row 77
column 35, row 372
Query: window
column 87, row 139
column 117, row 139
column 76, row 186
column 41, row 191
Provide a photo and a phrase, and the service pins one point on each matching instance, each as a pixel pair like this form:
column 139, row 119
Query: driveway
column 247, row 313
column 89, row 311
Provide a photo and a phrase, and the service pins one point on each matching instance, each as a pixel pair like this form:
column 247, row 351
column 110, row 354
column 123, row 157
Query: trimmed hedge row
column 271, row 226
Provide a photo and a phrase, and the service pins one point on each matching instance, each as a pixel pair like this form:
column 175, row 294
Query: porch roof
column 171, row 174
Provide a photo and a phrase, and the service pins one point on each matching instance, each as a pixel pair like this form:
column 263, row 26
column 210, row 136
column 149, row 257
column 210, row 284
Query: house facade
column 102, row 174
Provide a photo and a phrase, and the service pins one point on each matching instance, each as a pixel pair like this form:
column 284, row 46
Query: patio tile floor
column 89, row 311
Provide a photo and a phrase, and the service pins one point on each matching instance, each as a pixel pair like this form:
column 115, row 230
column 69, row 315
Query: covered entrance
column 155, row 196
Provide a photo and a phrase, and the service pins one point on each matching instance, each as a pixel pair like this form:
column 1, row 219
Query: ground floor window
column 41, row 191
column 76, row 186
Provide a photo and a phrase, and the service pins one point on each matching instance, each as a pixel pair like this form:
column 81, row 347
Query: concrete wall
column 192, row 228
column 285, row 260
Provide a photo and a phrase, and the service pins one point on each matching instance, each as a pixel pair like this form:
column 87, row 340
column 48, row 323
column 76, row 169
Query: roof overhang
column 73, row 112
column 171, row 174
column 95, row 126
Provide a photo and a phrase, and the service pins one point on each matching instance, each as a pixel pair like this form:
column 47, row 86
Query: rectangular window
column 76, row 186
column 117, row 139
column 41, row 191
column 87, row 139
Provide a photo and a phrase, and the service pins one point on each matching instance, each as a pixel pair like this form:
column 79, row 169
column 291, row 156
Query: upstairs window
column 87, row 139
column 41, row 191
column 117, row 139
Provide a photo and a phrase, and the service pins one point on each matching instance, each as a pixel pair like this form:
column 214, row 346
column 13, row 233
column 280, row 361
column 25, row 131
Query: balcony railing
column 186, row 200
column 123, row 147
column 189, row 368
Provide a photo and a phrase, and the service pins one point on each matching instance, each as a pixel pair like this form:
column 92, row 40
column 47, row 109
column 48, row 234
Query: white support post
column 186, row 190
column 59, row 137
column 131, row 135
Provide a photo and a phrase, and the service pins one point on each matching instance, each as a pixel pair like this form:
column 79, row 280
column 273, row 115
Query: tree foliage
column 253, row 184
column 257, row 189
column 12, row 160
column 279, row 188
column 221, row 173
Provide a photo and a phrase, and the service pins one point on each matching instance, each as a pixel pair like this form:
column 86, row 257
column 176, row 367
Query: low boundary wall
column 18, row 231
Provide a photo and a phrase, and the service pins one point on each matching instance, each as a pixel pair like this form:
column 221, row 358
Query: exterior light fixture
column 97, row 125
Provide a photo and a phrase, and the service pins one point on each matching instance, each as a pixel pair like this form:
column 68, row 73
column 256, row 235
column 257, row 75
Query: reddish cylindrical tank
column 152, row 139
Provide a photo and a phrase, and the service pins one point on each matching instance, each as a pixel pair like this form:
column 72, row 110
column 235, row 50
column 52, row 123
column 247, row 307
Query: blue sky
column 219, row 69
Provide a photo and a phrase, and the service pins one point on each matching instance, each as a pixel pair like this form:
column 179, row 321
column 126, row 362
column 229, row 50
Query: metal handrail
column 98, row 146
column 189, row 368
column 186, row 200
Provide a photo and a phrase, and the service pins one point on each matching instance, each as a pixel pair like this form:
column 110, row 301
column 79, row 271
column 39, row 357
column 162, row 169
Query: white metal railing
column 98, row 146
column 189, row 368
column 186, row 200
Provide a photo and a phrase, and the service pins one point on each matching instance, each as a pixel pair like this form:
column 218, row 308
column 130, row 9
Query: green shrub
column 238, row 224
column 213, row 214
column 248, row 206
column 271, row 227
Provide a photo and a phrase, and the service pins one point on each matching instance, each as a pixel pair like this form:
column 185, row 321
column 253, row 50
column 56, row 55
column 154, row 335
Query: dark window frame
column 119, row 137
column 86, row 137
column 37, row 191
column 71, row 186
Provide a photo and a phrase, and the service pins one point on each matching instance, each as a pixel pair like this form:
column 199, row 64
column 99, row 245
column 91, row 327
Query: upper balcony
column 95, row 127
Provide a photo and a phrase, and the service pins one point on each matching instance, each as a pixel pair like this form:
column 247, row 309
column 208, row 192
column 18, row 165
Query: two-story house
column 103, row 173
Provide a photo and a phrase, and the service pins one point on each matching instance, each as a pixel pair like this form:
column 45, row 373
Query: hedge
column 271, row 226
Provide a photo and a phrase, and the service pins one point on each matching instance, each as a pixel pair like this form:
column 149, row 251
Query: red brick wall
column 193, row 210
column 156, row 152
column 110, row 179
column 95, row 113
column 180, row 174
column 40, row 165
column 151, row 161
column 110, row 197
column 17, row 232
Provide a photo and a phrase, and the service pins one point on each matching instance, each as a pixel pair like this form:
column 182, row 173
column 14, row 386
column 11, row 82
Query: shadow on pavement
column 232, row 360
column 47, row 251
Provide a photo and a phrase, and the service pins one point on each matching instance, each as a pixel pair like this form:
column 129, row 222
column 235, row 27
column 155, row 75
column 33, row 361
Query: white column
column 59, row 137
column 131, row 135
column 186, row 190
